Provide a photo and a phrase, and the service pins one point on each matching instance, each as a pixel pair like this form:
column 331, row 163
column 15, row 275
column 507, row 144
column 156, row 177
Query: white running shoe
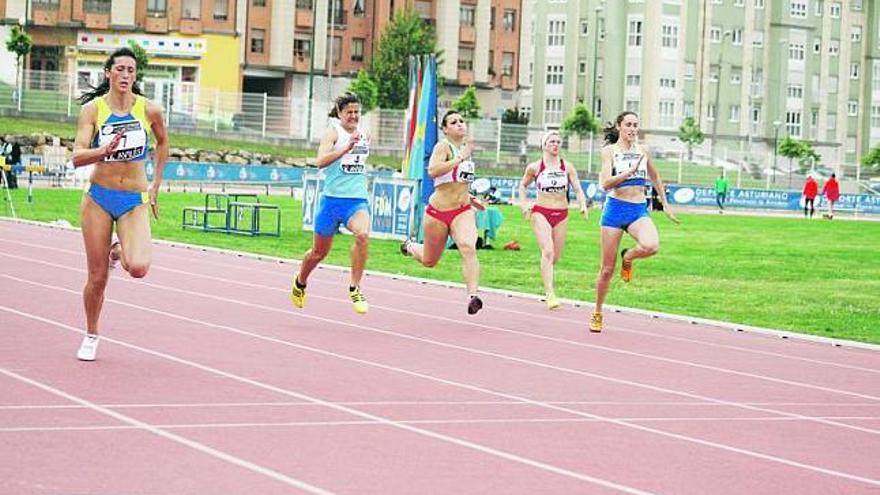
column 88, row 350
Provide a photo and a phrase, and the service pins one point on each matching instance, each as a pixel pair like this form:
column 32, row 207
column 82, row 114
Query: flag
column 411, row 110
column 429, row 93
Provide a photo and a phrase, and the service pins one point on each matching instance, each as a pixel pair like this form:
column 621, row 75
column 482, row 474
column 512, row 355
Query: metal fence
column 502, row 149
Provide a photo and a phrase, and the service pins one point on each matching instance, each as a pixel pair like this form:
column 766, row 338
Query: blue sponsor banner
column 223, row 172
column 393, row 207
column 312, row 187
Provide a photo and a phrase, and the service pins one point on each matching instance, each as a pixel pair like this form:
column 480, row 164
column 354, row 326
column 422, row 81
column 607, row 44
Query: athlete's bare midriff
column 450, row 196
column 120, row 176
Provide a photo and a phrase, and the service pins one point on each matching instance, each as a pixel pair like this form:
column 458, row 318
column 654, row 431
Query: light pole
column 776, row 125
column 593, row 90
column 717, row 95
column 311, row 77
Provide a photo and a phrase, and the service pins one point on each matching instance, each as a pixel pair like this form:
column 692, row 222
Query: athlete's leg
column 135, row 239
column 359, row 225
column 464, row 233
column 544, row 235
column 436, row 234
column 97, row 228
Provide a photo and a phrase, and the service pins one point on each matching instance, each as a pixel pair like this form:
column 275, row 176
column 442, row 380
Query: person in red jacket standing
column 811, row 189
column 831, row 191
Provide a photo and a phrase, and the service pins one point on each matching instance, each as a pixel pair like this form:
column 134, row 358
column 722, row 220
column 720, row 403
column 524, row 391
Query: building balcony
column 96, row 20
column 156, row 24
column 465, row 77
column 300, row 64
column 303, row 18
column 45, row 14
column 190, row 26
column 467, row 34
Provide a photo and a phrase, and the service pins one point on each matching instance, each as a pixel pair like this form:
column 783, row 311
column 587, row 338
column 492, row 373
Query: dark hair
column 446, row 115
column 611, row 132
column 833, row 176
column 341, row 102
column 104, row 87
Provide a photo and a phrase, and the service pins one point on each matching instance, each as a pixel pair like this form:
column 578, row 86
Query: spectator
column 811, row 189
column 721, row 188
column 831, row 191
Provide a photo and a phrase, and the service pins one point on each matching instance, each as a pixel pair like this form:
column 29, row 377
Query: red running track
column 209, row 382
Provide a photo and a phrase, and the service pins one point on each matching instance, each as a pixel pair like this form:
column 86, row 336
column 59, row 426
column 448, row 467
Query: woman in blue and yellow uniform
column 113, row 132
column 449, row 207
column 342, row 157
column 626, row 168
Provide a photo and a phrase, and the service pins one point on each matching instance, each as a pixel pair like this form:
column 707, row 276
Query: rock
column 176, row 152
column 235, row 160
column 209, row 157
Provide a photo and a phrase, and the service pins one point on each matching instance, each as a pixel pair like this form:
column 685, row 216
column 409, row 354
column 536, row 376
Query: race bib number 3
column 133, row 142
column 355, row 161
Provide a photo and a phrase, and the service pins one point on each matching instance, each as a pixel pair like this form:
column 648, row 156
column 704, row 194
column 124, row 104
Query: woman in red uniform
column 811, row 189
column 831, row 191
column 549, row 213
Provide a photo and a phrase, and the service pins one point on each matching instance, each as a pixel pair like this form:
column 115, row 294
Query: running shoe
column 404, row 247
column 358, row 301
column 552, row 302
column 474, row 305
column 297, row 293
column 626, row 267
column 88, row 350
column 596, row 323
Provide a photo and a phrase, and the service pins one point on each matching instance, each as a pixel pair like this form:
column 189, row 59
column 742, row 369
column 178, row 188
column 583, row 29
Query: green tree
column 809, row 157
column 514, row 116
column 790, row 148
column 690, row 134
column 407, row 34
column 20, row 44
column 467, row 104
column 141, row 57
column 872, row 159
column 366, row 90
column 580, row 122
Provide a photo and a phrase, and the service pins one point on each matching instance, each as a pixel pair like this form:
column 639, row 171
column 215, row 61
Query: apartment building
column 749, row 70
column 189, row 41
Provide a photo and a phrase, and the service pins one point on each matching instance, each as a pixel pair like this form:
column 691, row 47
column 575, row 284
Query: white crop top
column 552, row 181
column 463, row 172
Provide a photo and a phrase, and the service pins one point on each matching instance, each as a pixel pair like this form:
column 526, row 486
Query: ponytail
column 612, row 134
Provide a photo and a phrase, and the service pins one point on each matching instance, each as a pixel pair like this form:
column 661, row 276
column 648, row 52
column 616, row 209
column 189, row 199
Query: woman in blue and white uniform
column 113, row 133
column 342, row 155
column 626, row 168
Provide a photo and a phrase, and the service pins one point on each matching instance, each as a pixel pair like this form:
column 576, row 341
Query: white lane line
column 140, row 425
column 354, row 412
column 465, row 386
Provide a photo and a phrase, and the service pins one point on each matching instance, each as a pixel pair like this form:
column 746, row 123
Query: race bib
column 466, row 171
column 625, row 161
column 133, row 143
column 554, row 181
column 355, row 161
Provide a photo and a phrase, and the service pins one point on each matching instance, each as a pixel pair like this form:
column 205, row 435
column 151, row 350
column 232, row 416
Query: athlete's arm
column 439, row 163
column 527, row 178
column 661, row 189
column 326, row 153
column 157, row 124
column 578, row 190
column 83, row 153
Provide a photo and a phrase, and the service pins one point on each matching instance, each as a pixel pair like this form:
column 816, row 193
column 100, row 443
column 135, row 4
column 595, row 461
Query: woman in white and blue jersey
column 342, row 156
column 114, row 131
column 626, row 169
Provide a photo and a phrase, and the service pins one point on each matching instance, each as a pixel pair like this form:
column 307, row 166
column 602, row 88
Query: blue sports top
column 347, row 176
column 623, row 160
column 135, row 143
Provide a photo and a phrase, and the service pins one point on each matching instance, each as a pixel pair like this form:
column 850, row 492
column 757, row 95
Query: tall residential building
column 745, row 69
column 189, row 41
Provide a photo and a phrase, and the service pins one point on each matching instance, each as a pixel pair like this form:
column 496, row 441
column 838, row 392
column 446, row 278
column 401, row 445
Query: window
column 835, row 10
column 492, row 19
column 796, row 91
column 556, row 33
column 632, row 106
column 634, row 33
column 221, row 10
column 509, row 20
column 757, row 82
column 688, row 109
column 465, row 58
column 759, row 4
column 633, row 80
column 526, row 112
column 359, row 9
column 820, row 6
column 735, row 75
column 793, row 123
column 832, row 121
column 507, row 64
column 582, row 68
column 855, row 35
column 357, row 49
column 690, row 70
column 552, row 111
column 854, row 70
column 832, row 84
column 852, row 108
column 814, row 123
column 304, row 4
column 715, row 34
column 758, row 39
column 817, row 46
column 710, row 112
column 192, row 9
column 46, row 4
column 97, row 6
column 739, row 3
column 157, row 8
column 335, row 48
column 666, row 82
column 834, row 48
column 189, row 74
column 734, row 113
column 875, row 81
column 670, row 36
column 585, row 28
column 259, row 3
column 667, row 113
column 875, row 116
column 795, row 51
column 815, row 86
column 714, row 73
column 257, row 36
column 737, row 36
column 554, row 74
column 301, row 48
column 466, row 15
column 798, row 9
column 756, row 114
column 857, row 5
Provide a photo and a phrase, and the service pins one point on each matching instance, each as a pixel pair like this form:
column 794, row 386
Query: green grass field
column 816, row 277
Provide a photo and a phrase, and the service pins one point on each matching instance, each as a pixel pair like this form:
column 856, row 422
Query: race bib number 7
column 133, row 142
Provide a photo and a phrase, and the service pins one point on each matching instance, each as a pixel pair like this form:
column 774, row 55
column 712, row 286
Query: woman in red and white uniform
column 449, row 208
column 549, row 213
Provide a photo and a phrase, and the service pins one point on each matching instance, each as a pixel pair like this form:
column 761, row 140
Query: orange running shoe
column 626, row 267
